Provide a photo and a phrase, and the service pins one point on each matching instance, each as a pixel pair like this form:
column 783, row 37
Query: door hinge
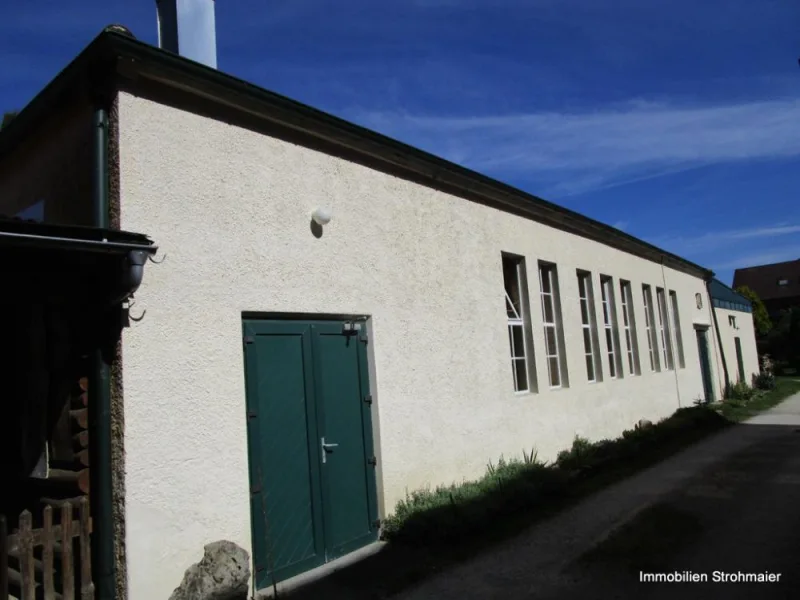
column 251, row 414
column 372, row 460
column 363, row 337
column 256, row 489
column 249, row 339
column 368, row 398
column 376, row 523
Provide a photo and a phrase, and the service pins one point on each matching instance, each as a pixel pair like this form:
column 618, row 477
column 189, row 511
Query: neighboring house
column 734, row 314
column 778, row 284
column 336, row 318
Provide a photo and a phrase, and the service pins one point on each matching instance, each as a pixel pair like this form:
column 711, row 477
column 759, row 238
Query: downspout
column 718, row 339
column 100, row 471
column 666, row 311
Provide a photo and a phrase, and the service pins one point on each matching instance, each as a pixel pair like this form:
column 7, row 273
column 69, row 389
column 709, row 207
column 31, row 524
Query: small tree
column 783, row 341
column 761, row 318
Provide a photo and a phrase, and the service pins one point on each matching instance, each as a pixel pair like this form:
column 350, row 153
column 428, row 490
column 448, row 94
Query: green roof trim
column 724, row 297
column 116, row 57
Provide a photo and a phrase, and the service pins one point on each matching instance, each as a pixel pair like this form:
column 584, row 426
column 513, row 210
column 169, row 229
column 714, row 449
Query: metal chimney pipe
column 188, row 28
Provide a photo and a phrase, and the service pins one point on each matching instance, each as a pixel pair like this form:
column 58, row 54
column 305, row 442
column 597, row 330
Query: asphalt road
column 726, row 506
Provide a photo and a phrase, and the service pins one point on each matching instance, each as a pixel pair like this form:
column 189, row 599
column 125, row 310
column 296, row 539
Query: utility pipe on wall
column 100, row 472
column 718, row 338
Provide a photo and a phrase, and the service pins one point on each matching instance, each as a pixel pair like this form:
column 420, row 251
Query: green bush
column 739, row 391
column 764, row 381
column 512, row 488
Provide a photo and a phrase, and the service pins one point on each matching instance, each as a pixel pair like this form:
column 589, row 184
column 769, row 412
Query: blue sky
column 675, row 120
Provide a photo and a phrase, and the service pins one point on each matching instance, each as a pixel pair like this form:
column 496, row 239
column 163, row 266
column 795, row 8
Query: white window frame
column 546, row 273
column 517, row 320
column 606, row 294
column 663, row 326
column 647, row 294
column 626, row 298
column 676, row 325
column 587, row 325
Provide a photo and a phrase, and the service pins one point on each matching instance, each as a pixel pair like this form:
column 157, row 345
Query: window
column 676, row 321
column 650, row 328
column 663, row 327
column 517, row 313
column 610, row 327
column 551, row 320
column 783, row 282
column 732, row 321
column 629, row 327
column 589, row 327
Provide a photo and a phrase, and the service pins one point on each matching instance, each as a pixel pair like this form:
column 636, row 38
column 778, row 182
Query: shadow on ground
column 426, row 542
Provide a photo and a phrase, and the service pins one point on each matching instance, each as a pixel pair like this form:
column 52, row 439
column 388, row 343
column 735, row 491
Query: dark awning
column 16, row 232
column 78, row 265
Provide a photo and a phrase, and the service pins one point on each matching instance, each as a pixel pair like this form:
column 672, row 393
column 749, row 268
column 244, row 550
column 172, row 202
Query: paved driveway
column 730, row 503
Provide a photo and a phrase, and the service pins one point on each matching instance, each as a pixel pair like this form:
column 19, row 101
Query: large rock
column 222, row 574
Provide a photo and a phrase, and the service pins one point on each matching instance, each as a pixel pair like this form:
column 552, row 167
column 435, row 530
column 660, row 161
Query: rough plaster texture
column 745, row 331
column 117, row 393
column 54, row 164
column 230, row 208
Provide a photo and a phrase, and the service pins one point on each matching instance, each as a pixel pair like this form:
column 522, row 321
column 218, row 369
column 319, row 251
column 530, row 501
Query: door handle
column 326, row 448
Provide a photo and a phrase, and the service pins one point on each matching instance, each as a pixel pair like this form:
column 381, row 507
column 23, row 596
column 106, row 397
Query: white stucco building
column 311, row 374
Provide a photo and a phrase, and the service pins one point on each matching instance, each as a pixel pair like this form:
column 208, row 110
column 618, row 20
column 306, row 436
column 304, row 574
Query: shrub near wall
column 522, row 489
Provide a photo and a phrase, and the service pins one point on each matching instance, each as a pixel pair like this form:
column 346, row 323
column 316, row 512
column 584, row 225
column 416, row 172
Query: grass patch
column 647, row 542
column 745, row 402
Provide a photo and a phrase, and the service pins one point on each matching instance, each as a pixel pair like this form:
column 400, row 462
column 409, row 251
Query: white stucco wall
column 745, row 331
column 230, row 209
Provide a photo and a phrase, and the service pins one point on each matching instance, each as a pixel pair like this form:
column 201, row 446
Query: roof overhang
column 105, row 264
column 132, row 64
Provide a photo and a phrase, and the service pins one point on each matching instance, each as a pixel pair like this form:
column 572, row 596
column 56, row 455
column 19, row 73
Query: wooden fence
column 50, row 573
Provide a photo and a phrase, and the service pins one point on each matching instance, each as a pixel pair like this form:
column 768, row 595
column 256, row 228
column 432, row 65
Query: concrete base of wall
column 296, row 585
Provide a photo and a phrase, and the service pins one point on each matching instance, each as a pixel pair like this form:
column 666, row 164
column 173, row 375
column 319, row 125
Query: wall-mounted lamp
column 321, row 216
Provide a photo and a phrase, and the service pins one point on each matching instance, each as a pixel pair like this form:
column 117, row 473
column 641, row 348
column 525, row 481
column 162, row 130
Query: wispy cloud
column 717, row 240
column 785, row 253
column 621, row 225
column 572, row 152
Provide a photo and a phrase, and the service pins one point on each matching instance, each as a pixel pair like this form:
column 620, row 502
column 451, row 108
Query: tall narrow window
column 629, row 327
column 663, row 327
column 676, row 321
column 517, row 313
column 551, row 321
column 589, row 326
column 610, row 326
column 650, row 330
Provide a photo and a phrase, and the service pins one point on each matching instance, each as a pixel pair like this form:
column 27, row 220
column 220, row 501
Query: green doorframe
column 309, row 328
column 704, row 356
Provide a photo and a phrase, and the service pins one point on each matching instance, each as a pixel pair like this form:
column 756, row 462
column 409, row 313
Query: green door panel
column 739, row 359
column 705, row 364
column 306, row 383
column 347, row 476
column 286, row 500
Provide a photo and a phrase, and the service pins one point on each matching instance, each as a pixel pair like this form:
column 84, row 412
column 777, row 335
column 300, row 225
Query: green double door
column 312, row 464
